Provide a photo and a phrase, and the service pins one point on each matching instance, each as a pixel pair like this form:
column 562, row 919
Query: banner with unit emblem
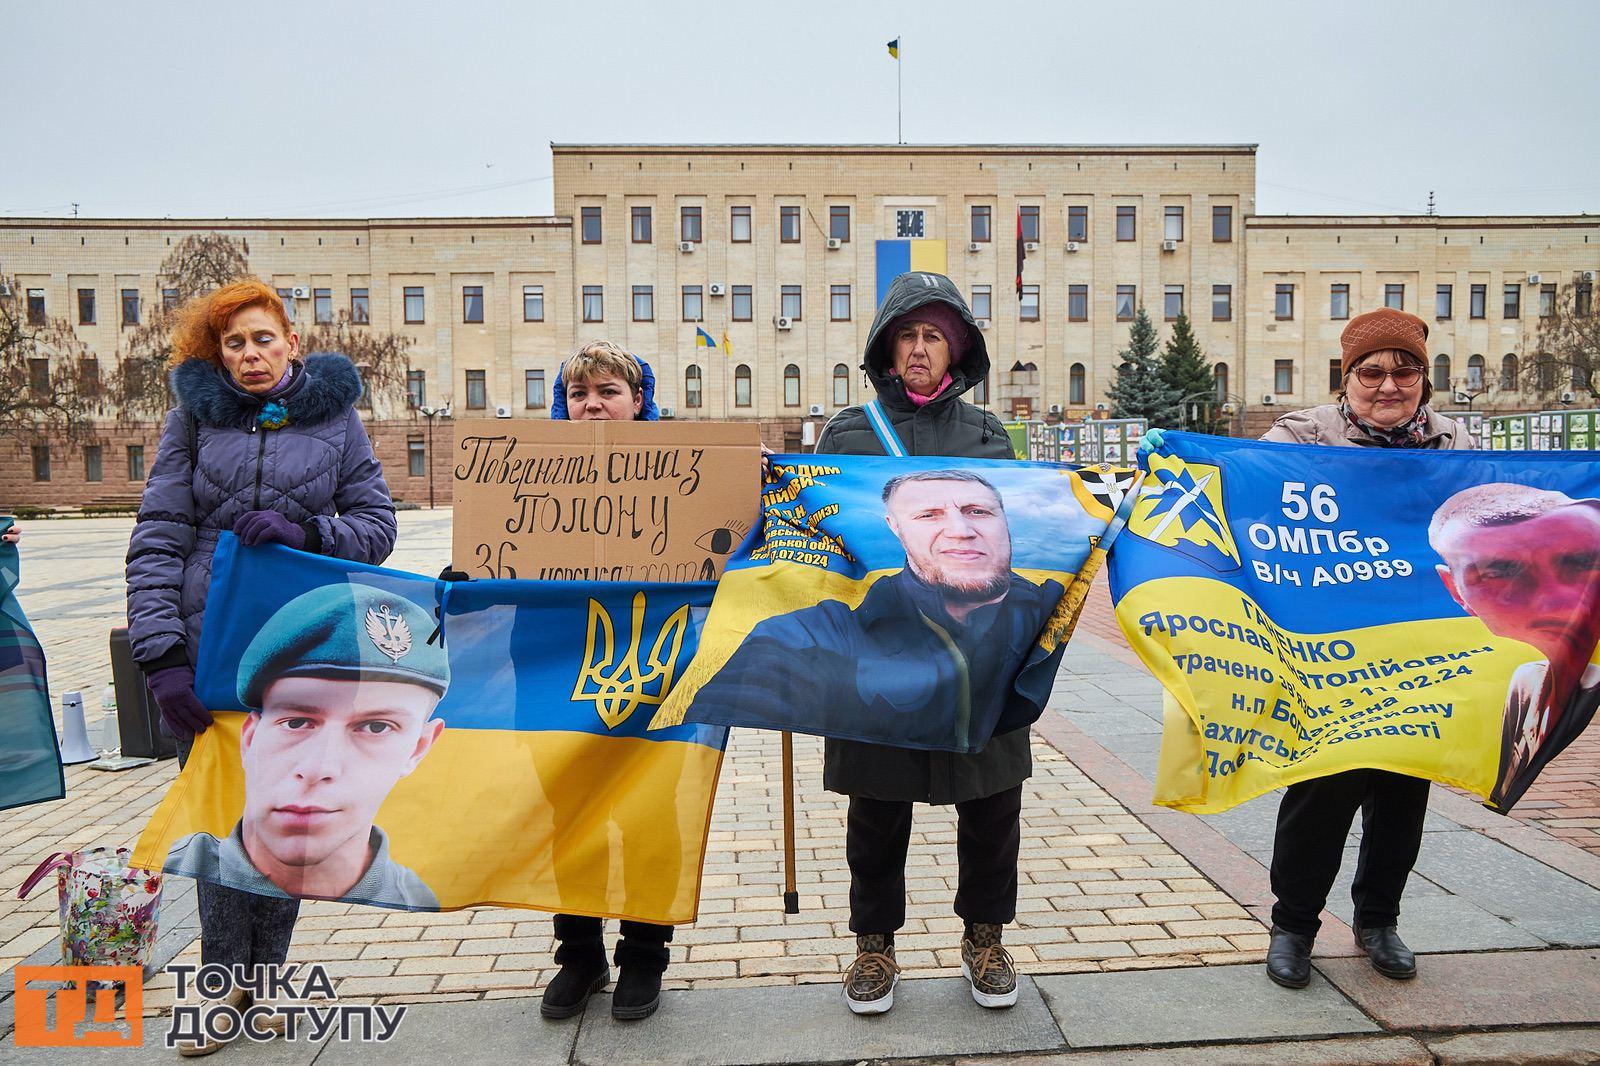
column 1311, row 610
column 918, row 602
column 30, row 769
column 390, row 739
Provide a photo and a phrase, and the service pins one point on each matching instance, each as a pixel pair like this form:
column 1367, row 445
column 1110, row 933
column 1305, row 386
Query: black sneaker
column 572, row 986
column 637, row 995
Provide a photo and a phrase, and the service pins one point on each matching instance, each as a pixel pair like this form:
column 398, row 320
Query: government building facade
column 747, row 275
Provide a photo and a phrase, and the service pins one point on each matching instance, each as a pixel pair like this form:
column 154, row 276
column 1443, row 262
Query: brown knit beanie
column 941, row 315
column 1380, row 330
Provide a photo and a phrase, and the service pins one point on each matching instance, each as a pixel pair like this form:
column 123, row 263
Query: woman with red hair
column 265, row 443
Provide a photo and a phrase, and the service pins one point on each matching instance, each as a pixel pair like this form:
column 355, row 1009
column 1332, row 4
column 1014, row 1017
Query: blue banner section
column 579, row 656
column 30, row 769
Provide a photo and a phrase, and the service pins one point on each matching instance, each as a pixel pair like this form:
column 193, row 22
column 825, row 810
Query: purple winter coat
column 318, row 470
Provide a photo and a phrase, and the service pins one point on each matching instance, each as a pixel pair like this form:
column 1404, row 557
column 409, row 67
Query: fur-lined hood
column 325, row 386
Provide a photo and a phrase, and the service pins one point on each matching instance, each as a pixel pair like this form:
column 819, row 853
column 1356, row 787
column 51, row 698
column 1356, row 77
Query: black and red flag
column 1022, row 253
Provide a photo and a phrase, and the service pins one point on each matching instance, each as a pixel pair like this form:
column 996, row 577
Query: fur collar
column 326, row 386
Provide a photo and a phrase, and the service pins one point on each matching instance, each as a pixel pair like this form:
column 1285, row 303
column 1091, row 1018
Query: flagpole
column 899, row 99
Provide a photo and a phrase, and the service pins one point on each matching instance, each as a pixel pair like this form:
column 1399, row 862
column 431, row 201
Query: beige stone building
column 774, row 249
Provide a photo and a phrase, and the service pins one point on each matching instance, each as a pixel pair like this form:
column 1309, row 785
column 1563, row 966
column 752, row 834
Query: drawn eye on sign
column 722, row 540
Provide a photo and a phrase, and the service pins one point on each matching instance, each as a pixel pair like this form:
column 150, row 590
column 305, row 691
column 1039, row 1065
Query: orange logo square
column 72, row 1024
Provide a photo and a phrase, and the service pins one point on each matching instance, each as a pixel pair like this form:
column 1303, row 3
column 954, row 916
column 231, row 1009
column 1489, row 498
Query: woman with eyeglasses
column 1383, row 403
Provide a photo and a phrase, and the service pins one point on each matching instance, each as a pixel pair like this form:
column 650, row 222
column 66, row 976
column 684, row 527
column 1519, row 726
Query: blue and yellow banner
column 389, row 739
column 917, row 602
column 896, row 257
column 30, row 769
column 1311, row 610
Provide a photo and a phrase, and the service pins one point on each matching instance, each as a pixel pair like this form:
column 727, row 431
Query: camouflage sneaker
column 870, row 980
column 988, row 967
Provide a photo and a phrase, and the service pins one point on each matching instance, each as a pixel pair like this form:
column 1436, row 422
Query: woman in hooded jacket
column 267, row 444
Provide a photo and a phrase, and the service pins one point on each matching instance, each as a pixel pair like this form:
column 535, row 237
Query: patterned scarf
column 273, row 414
column 1412, row 433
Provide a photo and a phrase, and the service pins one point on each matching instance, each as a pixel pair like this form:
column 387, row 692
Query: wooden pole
column 791, row 896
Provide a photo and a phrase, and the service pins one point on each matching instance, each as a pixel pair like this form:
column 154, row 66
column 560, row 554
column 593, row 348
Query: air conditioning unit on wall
column 817, row 409
column 973, row 246
column 301, row 292
column 834, row 244
column 983, row 323
column 502, row 411
column 667, row 412
column 783, row 323
column 1073, row 246
column 716, row 288
column 1268, row 399
column 1030, row 246
column 1169, row 246
column 685, row 246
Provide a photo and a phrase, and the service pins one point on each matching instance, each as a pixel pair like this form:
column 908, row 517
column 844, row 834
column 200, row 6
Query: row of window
column 1394, row 295
column 93, row 462
column 536, row 396
column 1475, row 381
column 909, row 222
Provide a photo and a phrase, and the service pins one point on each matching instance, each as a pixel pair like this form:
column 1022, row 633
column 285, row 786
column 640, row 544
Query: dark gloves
column 181, row 709
column 268, row 527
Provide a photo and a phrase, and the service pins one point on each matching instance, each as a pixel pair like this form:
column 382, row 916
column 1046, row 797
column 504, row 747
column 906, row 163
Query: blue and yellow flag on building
column 702, row 339
column 30, row 769
column 388, row 739
column 894, row 48
column 1311, row 610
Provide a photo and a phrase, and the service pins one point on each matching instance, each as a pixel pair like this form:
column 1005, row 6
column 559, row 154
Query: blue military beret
column 349, row 632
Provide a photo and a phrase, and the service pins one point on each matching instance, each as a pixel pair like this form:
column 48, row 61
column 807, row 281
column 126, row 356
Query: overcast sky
column 409, row 108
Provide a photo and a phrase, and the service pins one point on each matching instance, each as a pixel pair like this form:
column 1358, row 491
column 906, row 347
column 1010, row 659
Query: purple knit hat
column 941, row 315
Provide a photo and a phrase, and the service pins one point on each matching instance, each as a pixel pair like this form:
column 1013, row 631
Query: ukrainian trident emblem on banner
column 619, row 687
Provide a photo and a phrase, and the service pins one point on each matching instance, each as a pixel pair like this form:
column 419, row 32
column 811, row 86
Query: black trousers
column 1313, row 822
column 988, row 836
column 643, row 945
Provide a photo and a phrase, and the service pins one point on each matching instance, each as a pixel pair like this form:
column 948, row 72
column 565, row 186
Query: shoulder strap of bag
column 884, row 430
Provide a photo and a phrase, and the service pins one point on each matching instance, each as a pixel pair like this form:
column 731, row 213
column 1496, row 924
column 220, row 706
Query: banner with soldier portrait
column 30, row 769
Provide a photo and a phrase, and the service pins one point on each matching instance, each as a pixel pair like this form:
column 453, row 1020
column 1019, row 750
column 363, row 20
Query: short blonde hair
column 602, row 359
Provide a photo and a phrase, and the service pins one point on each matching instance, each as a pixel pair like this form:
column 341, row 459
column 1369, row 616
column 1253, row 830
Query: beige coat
column 1326, row 425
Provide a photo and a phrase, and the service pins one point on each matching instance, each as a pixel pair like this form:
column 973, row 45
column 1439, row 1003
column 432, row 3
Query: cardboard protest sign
column 602, row 500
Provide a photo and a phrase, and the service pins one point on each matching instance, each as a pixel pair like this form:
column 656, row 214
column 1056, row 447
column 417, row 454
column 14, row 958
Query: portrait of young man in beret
column 341, row 685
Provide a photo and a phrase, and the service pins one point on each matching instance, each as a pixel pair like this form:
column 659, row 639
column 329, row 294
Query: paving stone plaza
column 1140, row 930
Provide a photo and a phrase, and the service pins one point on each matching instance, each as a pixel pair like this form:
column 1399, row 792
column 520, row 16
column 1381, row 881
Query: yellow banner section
column 505, row 818
column 1245, row 716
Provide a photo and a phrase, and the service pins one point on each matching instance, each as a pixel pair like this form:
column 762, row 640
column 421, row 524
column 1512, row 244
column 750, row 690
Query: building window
column 1172, row 223
column 130, row 307
column 136, row 462
column 1283, row 376
column 639, row 225
column 1077, row 222
column 982, row 217
column 1127, row 297
column 694, row 303
column 741, row 386
column 41, row 462
column 360, row 307
column 839, row 222
column 1075, row 384
column 286, row 297
column 594, row 303
column 414, row 304
column 1127, row 230
column 1222, row 303
column 689, row 224
column 1028, row 306
column 743, row 303
column 1583, row 299
column 1283, row 303
column 169, row 302
column 89, row 377
column 416, row 388
column 1077, row 303
column 472, row 303
column 533, row 303
column 910, row 223
column 85, row 307
column 590, row 224
column 416, row 457
column 789, row 223
column 1394, row 295
column 1547, row 300
column 1477, row 306
column 1172, row 302
column 92, row 469
column 1443, row 301
column 1513, row 301
column 980, row 391
column 1508, row 372
column 1475, row 369
column 1030, row 222
column 739, row 224
column 691, row 386
column 35, row 307
column 789, row 302
column 1544, row 371
column 982, row 301
column 841, row 385
column 477, row 391
column 839, row 303
column 1219, row 381
column 1335, row 374
column 1221, row 231
column 644, row 303
column 791, row 386
column 1339, row 301
column 533, row 394
column 39, row 377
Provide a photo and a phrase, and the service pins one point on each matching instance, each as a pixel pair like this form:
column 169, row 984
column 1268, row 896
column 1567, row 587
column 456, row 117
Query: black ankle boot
column 1388, row 952
column 1289, row 958
column 581, row 954
column 640, row 965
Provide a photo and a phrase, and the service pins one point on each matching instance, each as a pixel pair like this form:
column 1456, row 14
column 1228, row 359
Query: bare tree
column 49, row 380
column 1567, row 356
column 382, row 359
column 202, row 262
